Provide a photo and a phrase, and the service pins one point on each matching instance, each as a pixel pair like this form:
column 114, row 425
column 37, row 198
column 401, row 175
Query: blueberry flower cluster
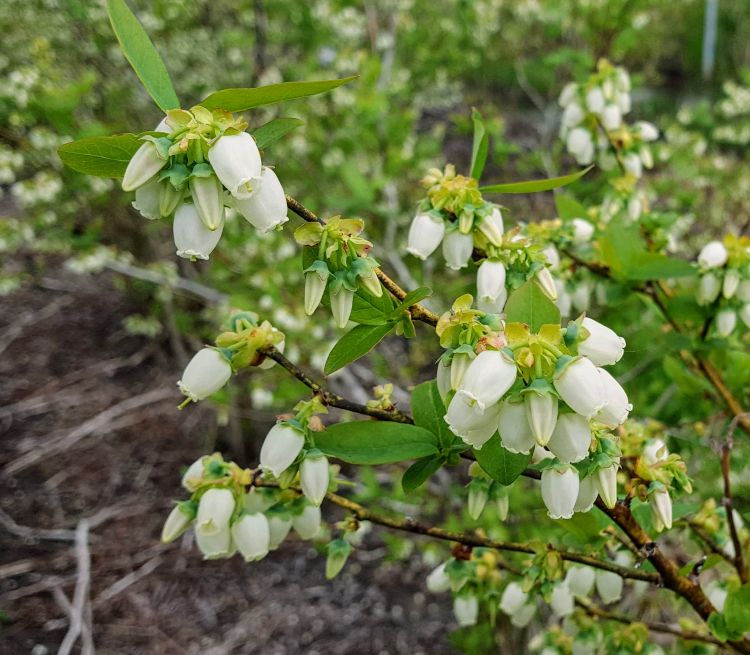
column 194, row 165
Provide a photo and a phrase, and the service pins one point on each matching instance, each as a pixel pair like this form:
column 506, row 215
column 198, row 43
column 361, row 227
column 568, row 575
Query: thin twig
column 81, row 593
column 726, row 454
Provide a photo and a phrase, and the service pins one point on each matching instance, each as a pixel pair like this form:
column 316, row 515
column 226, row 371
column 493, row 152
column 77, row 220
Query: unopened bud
column 251, row 535
column 338, row 553
column 178, row 521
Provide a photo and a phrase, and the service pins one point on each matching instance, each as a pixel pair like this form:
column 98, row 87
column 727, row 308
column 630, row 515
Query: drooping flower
column 580, row 145
column 491, row 225
column 513, row 598
column 513, row 426
column 147, row 199
column 251, row 535
column 541, row 413
column 583, row 230
column 580, row 580
column 562, row 602
column 608, row 586
column 709, row 289
column 307, row 524
column 425, row 235
column 713, row 255
column 206, row 373
column 490, row 280
column 341, row 305
column 661, row 509
column 278, row 529
column 571, row 438
column 266, row 208
column 457, row 248
column 192, row 238
column 208, row 198
column 580, row 386
column 606, row 484
column 438, row 580
column 236, row 161
column 143, row 165
column 560, row 491
column 726, row 321
column 602, row 346
column 314, row 477
column 488, row 378
column 280, row 448
column 178, row 521
column 214, row 511
column 588, row 492
column 617, row 407
column 193, row 476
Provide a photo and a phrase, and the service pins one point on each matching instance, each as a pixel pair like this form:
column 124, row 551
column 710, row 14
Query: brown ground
column 89, row 431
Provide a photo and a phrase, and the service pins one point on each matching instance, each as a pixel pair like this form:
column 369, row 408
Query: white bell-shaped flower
column 459, row 365
column 546, row 282
column 315, row 287
column 571, row 438
column 278, row 529
column 731, row 283
column 193, row 476
column 477, row 500
column 655, row 451
column 588, row 492
column 568, row 94
column 466, row 610
column 177, row 522
column 552, row 255
column 494, row 306
column 425, row 235
column 583, row 230
column 617, row 407
column 307, row 524
column 492, row 226
column 580, row 580
column 541, row 413
column 488, row 378
column 560, row 491
column 606, row 484
column 143, row 165
column 192, row 238
column 464, row 415
column 147, row 199
column 208, row 198
column 215, row 546
column 624, row 102
column 214, row 511
column 513, row 598
column 647, row 158
column 647, row 131
column 265, row 209
column 513, row 426
column 236, row 161
column 457, row 249
column 580, row 296
column 633, row 164
column 523, row 616
column 252, row 536
column 580, row 386
column 314, row 477
column 438, row 580
column 572, row 115
column 502, row 505
column 580, row 144
column 661, row 509
column 726, row 321
column 595, row 100
column 709, row 288
column 602, row 346
column 206, row 373
column 561, row 602
column 611, row 117
column 481, row 433
column 744, row 314
column 443, row 379
column 743, row 291
column 540, row 454
column 608, row 586
column 713, row 255
column 280, row 448
column 490, row 280
column 341, row 305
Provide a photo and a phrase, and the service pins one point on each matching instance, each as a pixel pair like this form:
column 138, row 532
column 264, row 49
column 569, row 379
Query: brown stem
column 726, row 454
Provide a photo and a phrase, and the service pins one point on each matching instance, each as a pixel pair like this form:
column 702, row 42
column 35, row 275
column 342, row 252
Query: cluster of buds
column 545, row 390
column 195, row 164
column 227, row 519
column 592, row 122
column 337, row 259
column 239, row 347
column 482, row 490
column 724, row 282
column 713, row 519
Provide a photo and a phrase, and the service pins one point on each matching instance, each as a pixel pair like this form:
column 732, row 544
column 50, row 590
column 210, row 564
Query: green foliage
column 269, row 133
column 535, row 186
column 500, row 464
column 418, row 473
column 528, row 304
column 355, row 344
column 428, row 410
column 479, row 146
column 102, row 156
column 734, row 621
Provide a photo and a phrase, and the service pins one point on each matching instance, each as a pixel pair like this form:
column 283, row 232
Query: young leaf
column 371, row 310
column 479, row 147
column 415, row 296
column 501, row 464
column 568, row 207
column 242, row 99
column 142, row 55
column 428, row 410
column 737, row 610
column 534, row 186
column 103, row 156
column 416, row 475
column 272, row 131
column 376, row 442
column 354, row 344
column 528, row 304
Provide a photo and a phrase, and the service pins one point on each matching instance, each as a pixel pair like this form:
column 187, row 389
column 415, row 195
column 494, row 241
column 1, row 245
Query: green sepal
column 320, row 268
column 177, row 174
column 161, row 143
column 202, row 170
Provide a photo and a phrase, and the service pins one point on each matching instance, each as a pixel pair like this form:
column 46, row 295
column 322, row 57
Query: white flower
column 513, row 598
column 540, row 454
column 314, row 478
column 655, row 451
column 647, row 158
column 459, row 365
column 580, row 386
column 603, row 346
column 443, row 378
column 546, row 283
column 143, row 165
column 265, row 209
column 553, row 257
column 307, row 524
column 502, row 505
column 214, row 511
column 647, row 131
column 480, row 434
column 457, row 248
column 278, row 529
column 147, row 199
column 743, row 291
column 572, row 115
column 571, row 439
column 251, row 535
column 580, row 144
column 595, row 100
column 559, row 492
column 583, row 230
column 177, row 522
column 466, row 419
column 567, row 94
column 315, row 286
column 425, row 235
column 206, row 373
column 523, row 616
column 611, row 117
column 280, row 448
column 236, row 162
column 466, row 610
column 490, row 279
column 192, row 478
column 215, row 546
column 616, row 411
column 208, row 198
column 709, row 288
column 488, row 378
column 726, row 321
column 541, row 413
column 561, row 601
column 661, row 509
column 581, row 296
column 494, row 306
column 606, row 484
column 609, row 586
column 477, row 500
column 491, row 225
column 731, row 283
column 341, row 305
column 713, row 255
column 515, row 432
column 745, row 315
column 633, row 164
column 438, row 580
column 580, row 580
column 623, row 102
column 588, row 492
column 635, row 208
column 192, row 238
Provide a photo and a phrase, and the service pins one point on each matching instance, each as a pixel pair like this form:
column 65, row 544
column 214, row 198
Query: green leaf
column 428, row 410
column 501, row 464
column 416, row 475
column 142, row 55
column 242, row 99
column 376, row 442
column 355, row 344
column 534, row 186
column 272, row 131
column 413, row 297
column 718, row 626
column 103, row 156
column 568, row 207
column 371, row 310
column 528, row 304
column 479, row 147
column 737, row 610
